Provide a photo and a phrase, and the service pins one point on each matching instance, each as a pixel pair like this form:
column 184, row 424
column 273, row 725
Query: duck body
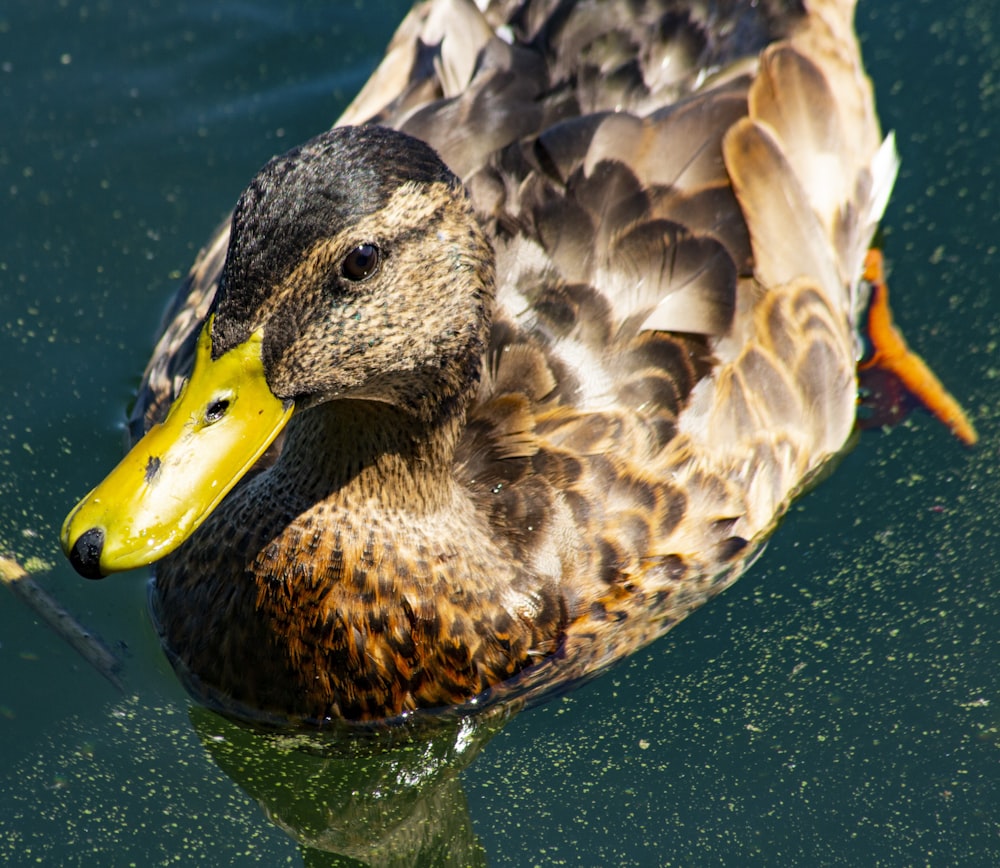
column 553, row 325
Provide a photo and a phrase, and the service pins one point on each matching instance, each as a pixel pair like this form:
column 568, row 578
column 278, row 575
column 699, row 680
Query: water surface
column 838, row 706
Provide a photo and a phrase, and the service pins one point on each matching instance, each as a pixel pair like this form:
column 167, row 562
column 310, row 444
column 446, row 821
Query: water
column 838, row 706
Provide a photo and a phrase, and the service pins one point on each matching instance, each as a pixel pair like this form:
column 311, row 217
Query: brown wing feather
column 173, row 357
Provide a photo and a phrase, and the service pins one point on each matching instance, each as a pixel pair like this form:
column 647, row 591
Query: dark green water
column 838, row 706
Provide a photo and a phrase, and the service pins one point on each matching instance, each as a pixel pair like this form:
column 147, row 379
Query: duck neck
column 396, row 453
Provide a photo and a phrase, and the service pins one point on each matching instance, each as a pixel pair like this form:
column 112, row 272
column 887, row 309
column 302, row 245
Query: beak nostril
column 216, row 410
column 86, row 553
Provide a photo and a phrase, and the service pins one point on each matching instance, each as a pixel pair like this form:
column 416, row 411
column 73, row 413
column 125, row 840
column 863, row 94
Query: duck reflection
column 392, row 797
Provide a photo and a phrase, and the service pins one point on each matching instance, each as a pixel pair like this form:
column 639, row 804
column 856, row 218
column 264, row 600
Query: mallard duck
column 504, row 375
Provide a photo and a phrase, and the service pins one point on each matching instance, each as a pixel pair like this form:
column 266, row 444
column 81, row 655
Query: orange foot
column 893, row 373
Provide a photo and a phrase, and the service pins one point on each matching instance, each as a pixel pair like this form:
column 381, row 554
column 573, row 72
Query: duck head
column 355, row 270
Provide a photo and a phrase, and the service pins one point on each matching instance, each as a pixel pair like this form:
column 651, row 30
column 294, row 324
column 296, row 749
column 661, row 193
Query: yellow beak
column 221, row 423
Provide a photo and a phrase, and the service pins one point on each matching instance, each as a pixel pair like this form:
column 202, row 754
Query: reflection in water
column 136, row 782
column 384, row 799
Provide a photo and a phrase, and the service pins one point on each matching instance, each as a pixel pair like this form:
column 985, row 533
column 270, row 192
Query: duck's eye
column 361, row 262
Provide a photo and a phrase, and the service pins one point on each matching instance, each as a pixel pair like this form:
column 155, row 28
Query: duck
column 498, row 379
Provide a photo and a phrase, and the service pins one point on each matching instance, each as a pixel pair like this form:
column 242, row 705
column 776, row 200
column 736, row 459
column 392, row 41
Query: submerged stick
column 85, row 643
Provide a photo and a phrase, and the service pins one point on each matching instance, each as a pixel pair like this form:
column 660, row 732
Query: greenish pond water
column 838, row 706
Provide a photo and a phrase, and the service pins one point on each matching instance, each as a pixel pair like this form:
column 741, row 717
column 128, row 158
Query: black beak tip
column 85, row 556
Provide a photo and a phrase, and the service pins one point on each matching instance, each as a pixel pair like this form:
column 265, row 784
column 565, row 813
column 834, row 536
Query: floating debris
column 84, row 642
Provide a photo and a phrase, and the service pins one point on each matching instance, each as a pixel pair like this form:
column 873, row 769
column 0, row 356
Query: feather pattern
column 678, row 197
